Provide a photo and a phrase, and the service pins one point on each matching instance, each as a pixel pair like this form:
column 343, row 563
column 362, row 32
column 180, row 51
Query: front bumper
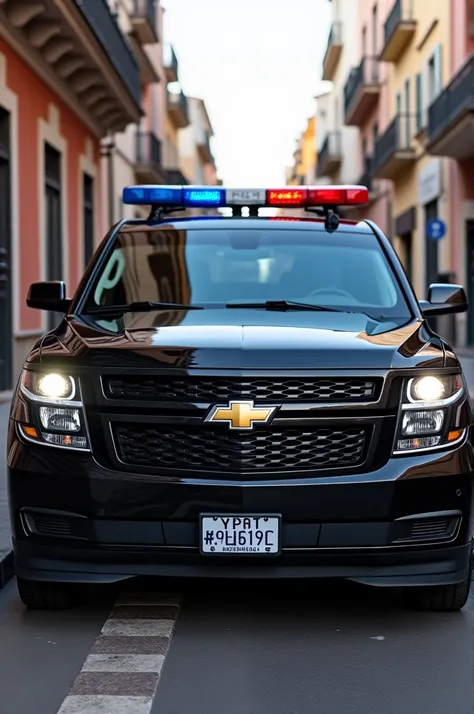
column 106, row 526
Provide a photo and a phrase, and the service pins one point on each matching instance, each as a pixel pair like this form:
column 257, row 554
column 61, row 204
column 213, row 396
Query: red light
column 287, row 197
column 327, row 196
column 338, row 196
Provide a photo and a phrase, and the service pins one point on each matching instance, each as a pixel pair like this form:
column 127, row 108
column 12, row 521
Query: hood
column 244, row 339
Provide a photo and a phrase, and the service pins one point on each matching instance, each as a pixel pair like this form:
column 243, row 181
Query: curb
column 7, row 567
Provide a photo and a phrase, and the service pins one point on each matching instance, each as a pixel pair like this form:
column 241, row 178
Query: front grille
column 430, row 528
column 263, row 449
column 212, row 389
column 48, row 525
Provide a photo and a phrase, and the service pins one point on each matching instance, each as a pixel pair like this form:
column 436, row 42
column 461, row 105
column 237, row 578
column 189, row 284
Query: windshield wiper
column 142, row 306
column 283, row 305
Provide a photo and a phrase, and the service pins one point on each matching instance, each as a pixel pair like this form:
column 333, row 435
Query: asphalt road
column 242, row 648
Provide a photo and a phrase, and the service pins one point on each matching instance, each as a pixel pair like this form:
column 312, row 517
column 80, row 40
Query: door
column 53, row 228
column 470, row 279
column 407, row 128
column 6, row 322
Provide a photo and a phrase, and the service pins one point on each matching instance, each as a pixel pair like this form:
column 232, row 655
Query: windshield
column 213, row 268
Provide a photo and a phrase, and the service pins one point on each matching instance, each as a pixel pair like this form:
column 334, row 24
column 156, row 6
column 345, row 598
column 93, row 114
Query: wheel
column 38, row 595
column 438, row 598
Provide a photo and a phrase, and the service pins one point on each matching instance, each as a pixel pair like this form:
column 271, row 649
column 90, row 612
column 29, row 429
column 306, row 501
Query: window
column 216, row 267
column 364, row 41
column 435, row 79
column 406, row 121
column 419, row 102
column 88, row 216
column 374, row 31
column 53, row 219
column 399, row 103
column 375, row 134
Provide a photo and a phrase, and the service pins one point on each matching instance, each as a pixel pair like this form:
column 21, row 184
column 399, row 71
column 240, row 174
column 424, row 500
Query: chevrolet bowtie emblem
column 241, row 415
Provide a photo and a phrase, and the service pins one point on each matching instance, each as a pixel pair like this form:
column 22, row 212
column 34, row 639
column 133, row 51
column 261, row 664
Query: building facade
column 337, row 142
column 61, row 92
column 303, row 170
column 195, row 151
column 415, row 45
column 450, row 137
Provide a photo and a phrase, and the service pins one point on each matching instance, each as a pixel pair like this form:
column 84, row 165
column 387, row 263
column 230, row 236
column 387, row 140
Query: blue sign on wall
column 436, row 229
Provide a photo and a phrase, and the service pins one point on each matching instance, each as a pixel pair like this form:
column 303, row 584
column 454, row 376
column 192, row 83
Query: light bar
column 217, row 197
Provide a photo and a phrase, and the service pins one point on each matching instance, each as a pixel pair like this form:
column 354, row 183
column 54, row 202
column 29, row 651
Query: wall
column 39, row 116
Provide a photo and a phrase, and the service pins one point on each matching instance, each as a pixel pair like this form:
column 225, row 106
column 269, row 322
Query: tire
column 38, row 595
column 438, row 598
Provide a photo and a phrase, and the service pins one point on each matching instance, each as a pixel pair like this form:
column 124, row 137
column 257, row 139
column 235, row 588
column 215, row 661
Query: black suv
column 250, row 397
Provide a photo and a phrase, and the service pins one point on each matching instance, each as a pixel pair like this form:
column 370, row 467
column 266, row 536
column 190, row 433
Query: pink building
column 451, row 134
column 367, row 104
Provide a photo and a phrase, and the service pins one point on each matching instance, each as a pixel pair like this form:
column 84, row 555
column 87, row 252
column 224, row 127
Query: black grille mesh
column 217, row 389
column 259, row 450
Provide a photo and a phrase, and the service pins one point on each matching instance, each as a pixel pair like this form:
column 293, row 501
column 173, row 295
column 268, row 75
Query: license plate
column 240, row 535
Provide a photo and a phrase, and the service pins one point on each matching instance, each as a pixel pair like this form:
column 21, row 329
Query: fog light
column 59, row 419
column 76, row 442
column 422, row 443
column 422, row 422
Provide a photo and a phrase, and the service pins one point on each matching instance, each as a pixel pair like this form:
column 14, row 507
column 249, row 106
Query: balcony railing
column 398, row 30
column 144, row 20
column 333, row 50
column 330, row 154
column 148, row 149
column 366, row 177
column 105, row 26
column 395, row 148
column 366, row 75
column 453, row 102
column 171, row 64
column 176, row 178
column 178, row 108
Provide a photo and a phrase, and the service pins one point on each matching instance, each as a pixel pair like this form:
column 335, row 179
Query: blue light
column 153, row 195
column 203, row 197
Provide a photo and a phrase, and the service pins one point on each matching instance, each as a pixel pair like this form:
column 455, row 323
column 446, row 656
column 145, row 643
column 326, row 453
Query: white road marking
column 83, row 704
column 122, row 671
column 138, row 628
column 123, row 663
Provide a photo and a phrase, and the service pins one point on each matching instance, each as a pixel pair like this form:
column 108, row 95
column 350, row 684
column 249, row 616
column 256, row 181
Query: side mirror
column 48, row 295
column 444, row 299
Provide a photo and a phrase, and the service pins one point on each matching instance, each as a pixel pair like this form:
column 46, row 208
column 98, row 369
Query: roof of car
column 219, row 222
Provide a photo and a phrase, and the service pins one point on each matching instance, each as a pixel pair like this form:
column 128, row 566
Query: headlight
column 55, row 410
column 51, row 386
column 428, row 413
column 431, row 389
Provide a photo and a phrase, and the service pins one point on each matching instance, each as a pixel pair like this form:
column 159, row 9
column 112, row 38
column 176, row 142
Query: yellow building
column 303, row 171
column 416, row 46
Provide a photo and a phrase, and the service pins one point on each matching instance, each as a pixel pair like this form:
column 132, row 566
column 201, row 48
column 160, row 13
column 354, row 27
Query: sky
column 257, row 65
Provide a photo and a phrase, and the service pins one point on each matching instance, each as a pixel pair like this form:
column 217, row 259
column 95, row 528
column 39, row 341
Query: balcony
column 178, row 109
column 148, row 165
column 80, row 52
column 176, row 178
column 144, row 21
column 333, row 51
column 330, row 155
column 361, row 91
column 399, row 31
column 394, row 152
column 451, row 117
column 203, row 144
column 171, row 65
